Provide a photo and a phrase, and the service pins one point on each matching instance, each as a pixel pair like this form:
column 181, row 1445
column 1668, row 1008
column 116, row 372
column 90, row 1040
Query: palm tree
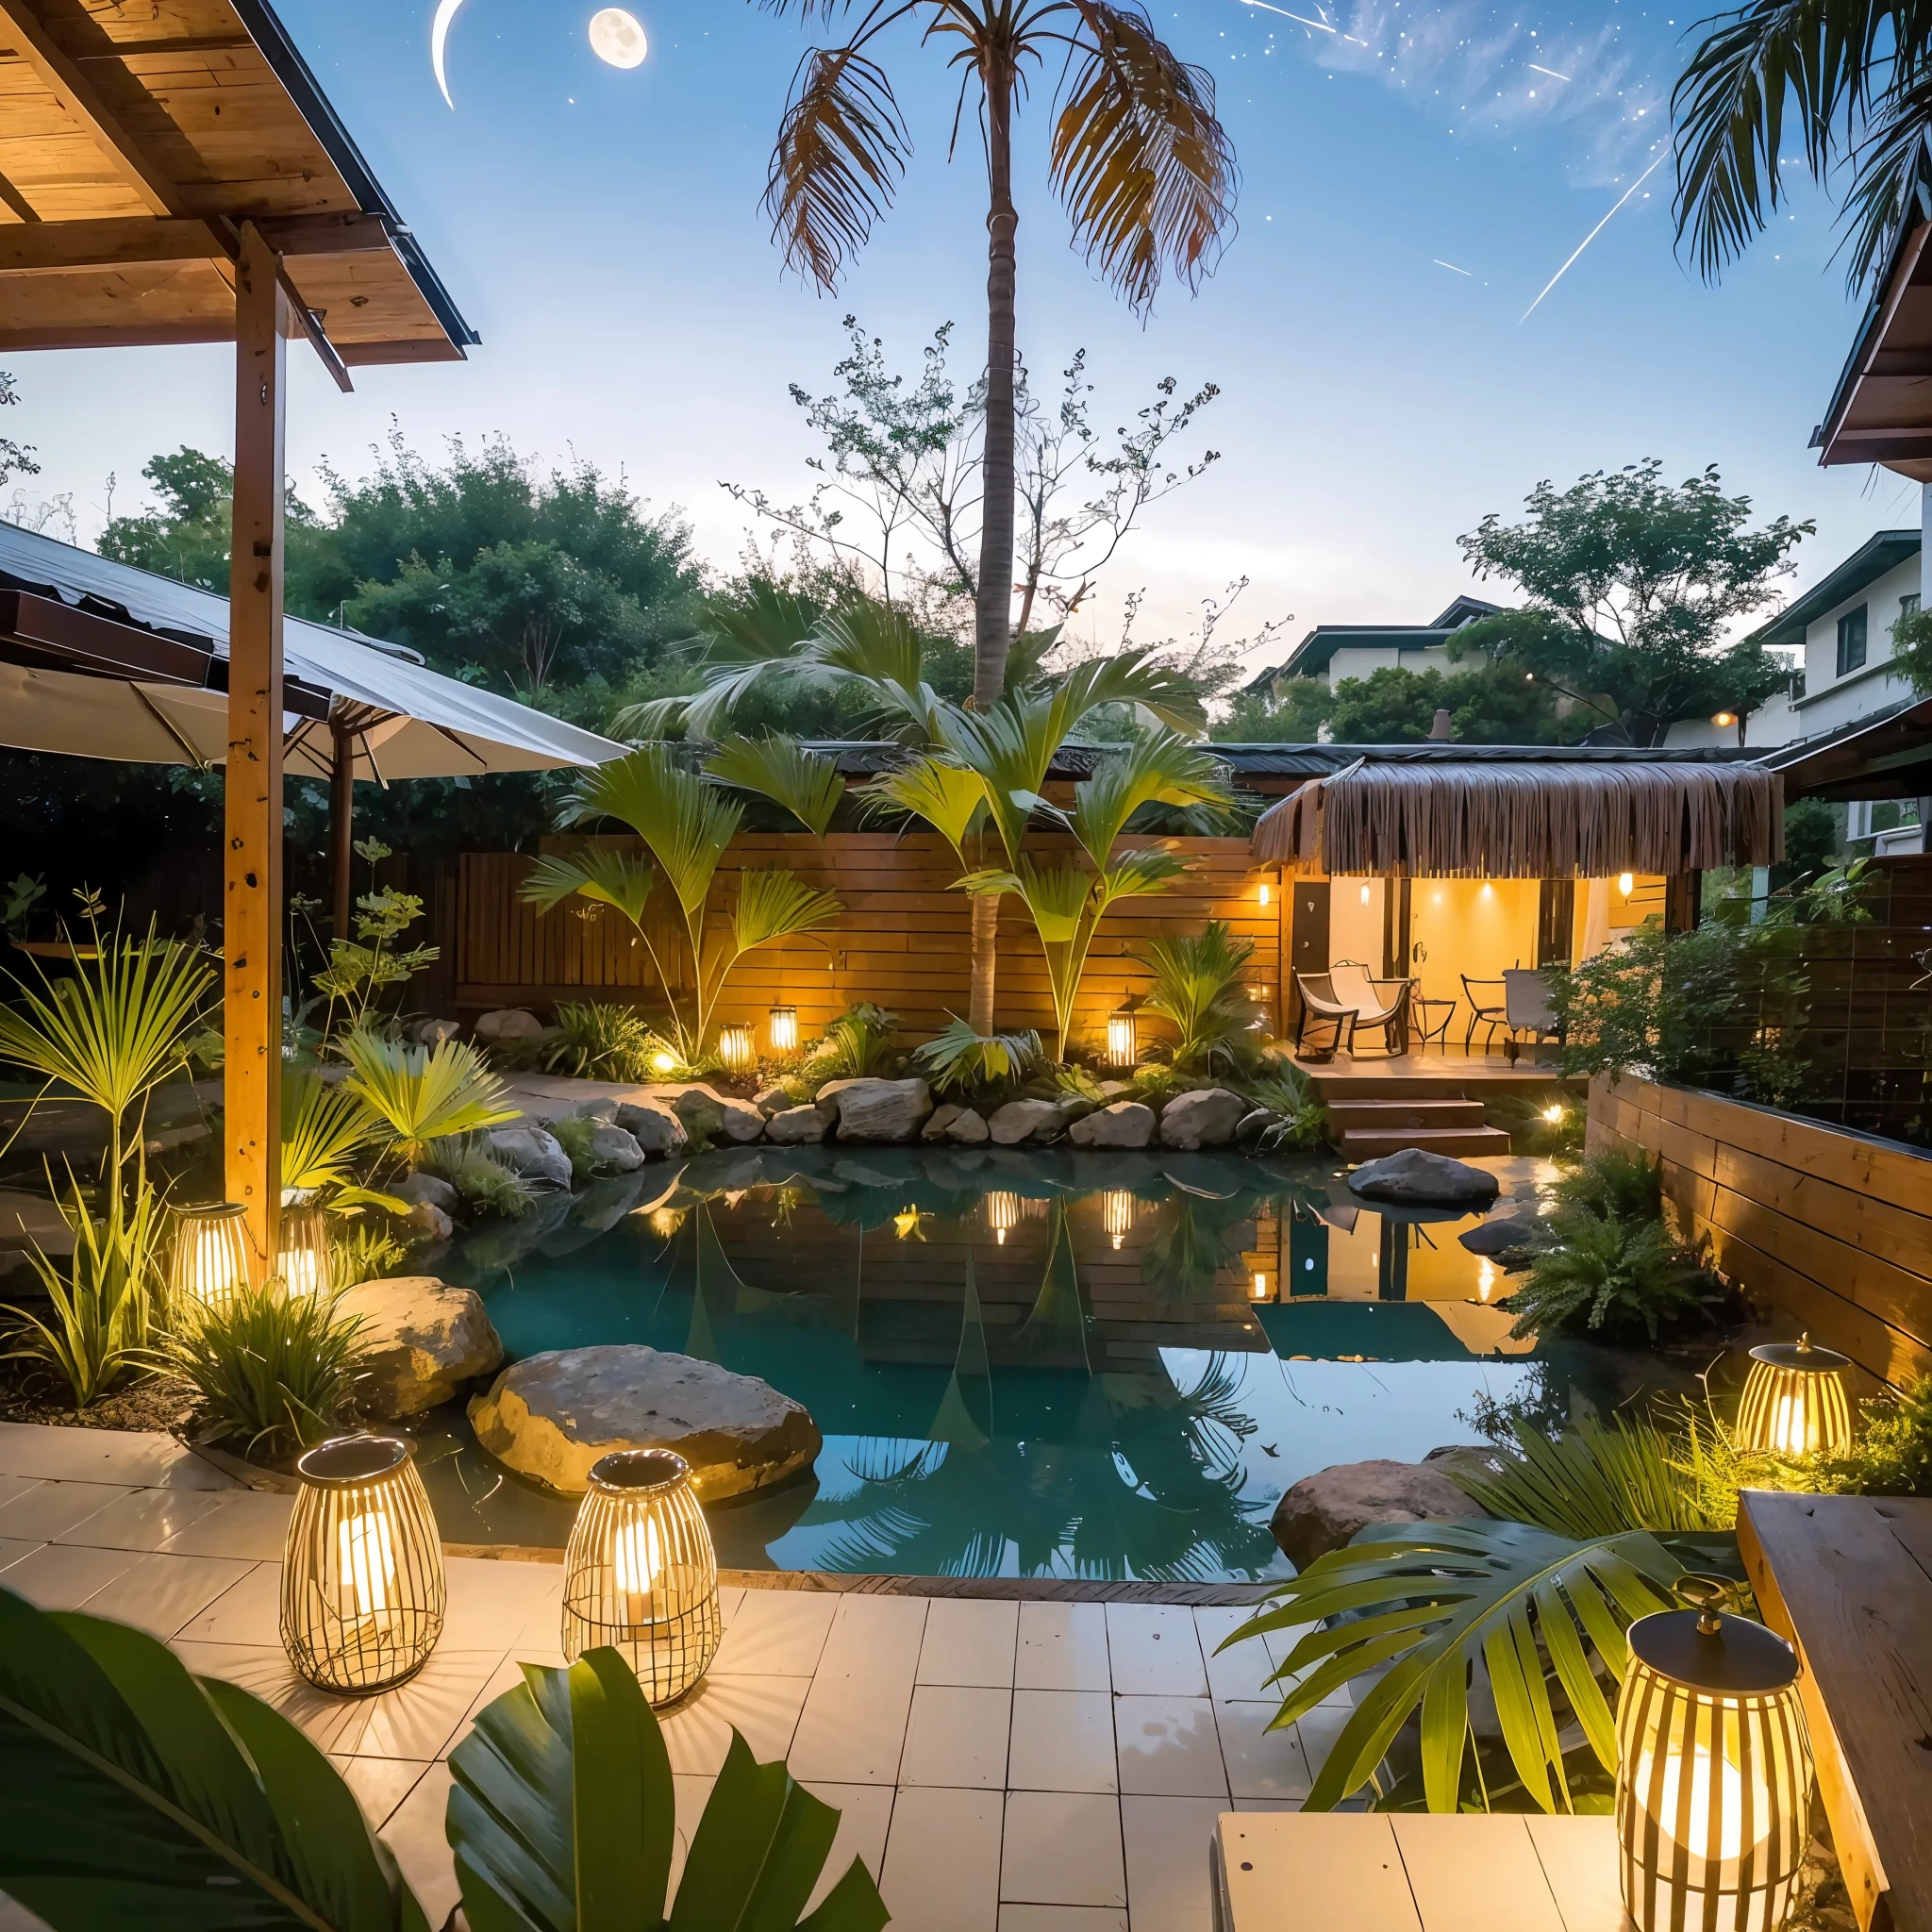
column 1858, row 77
column 1137, row 159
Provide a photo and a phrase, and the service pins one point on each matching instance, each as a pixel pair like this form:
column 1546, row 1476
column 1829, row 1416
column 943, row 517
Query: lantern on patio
column 1117, row 1214
column 362, row 1583
column 783, row 1024
column 1713, row 1770
column 1794, row 1400
column 736, row 1047
column 302, row 1253
column 210, row 1262
column 640, row 1574
column 1122, row 1048
column 1002, row 1215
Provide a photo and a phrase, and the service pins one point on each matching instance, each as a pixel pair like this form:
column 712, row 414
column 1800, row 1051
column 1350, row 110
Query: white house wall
column 1831, row 701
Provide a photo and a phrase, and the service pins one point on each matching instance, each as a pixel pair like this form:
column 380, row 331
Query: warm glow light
column 211, row 1265
column 1002, row 1212
column 1258, row 1292
column 1485, row 1279
column 736, row 1047
column 637, row 1558
column 663, row 1062
column 1117, row 1214
column 1489, row 891
column 616, row 38
column 303, row 1257
column 1365, row 893
column 1725, row 718
column 1264, row 891
column 1794, row 1401
column 784, row 1029
column 1122, row 1048
column 367, row 1554
column 665, row 1221
column 1729, row 1809
column 906, row 1225
column 1626, row 883
column 1553, row 1112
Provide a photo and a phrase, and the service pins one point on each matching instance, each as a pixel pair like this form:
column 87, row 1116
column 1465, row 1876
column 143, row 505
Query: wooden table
column 1849, row 1580
column 1411, row 1872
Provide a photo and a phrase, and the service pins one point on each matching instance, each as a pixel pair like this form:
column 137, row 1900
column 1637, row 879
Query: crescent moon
column 439, row 39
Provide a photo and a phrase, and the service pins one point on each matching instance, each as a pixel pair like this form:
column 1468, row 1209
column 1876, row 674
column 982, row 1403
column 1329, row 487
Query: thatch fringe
column 1527, row 821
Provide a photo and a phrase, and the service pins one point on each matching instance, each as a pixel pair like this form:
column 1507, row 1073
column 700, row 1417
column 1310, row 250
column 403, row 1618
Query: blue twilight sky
column 1411, row 180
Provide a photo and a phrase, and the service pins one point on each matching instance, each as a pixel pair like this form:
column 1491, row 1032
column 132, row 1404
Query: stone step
column 1376, row 1116
column 1463, row 1143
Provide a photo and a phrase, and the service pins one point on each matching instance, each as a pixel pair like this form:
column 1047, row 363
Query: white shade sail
column 409, row 722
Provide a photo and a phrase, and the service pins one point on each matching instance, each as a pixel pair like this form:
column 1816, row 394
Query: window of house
column 1851, row 640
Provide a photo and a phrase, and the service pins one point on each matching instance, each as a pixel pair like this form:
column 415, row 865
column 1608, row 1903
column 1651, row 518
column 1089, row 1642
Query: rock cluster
column 420, row 1340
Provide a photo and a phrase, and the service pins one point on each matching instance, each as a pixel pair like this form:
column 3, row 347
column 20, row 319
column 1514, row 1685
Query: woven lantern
column 1117, row 1214
column 210, row 1262
column 302, row 1253
column 736, row 1047
column 362, row 1584
column 1121, row 1047
column 641, row 1574
column 1713, row 1770
column 1794, row 1400
column 1002, row 1212
column 783, row 1024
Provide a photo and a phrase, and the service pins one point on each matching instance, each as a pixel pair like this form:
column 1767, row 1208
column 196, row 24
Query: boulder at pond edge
column 1324, row 1511
column 420, row 1338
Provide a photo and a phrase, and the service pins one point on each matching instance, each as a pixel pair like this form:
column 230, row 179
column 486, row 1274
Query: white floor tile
column 776, row 1633
column 1062, row 1741
column 249, row 1612
column 865, row 1814
column 1260, row 1763
column 1154, row 1650
column 14, row 1487
column 969, row 1641
column 135, row 1519
column 874, row 1637
column 1167, row 1841
column 263, row 1669
column 380, row 1784
column 1242, row 1670
column 956, row 1736
column 942, row 1860
column 418, row 1719
column 1318, row 1732
column 851, row 1730
column 415, row 1835
column 134, row 1459
column 1018, row 1918
column 697, row 1732
column 1062, row 1647
column 246, row 1523
column 1062, row 1848
column 47, row 1509
column 159, row 1593
column 59, row 1577
column 1169, row 1747
column 491, row 1604
column 13, row 1548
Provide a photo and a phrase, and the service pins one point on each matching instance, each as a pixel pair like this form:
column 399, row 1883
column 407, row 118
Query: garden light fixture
column 1121, row 1047
column 1264, row 891
column 1002, row 1213
column 1794, row 1400
column 302, row 1253
column 211, row 1265
column 641, row 1574
column 736, row 1047
column 1553, row 1112
column 784, row 1029
column 1626, row 883
column 1724, row 720
column 1117, row 1214
column 362, row 1583
column 1258, row 1289
column 1713, row 1770
column 662, row 1062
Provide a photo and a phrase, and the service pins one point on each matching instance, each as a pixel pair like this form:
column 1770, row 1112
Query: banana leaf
column 138, row 1795
column 563, row 1810
column 1423, row 1604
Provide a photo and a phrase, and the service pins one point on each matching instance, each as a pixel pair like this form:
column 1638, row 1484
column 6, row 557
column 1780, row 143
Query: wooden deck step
column 1463, row 1143
column 1373, row 1116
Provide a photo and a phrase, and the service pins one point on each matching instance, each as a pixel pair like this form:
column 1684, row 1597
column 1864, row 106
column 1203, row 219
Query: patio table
column 1427, row 1029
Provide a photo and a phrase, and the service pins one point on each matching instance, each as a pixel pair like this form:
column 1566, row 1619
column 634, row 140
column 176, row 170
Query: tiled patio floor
column 1002, row 1767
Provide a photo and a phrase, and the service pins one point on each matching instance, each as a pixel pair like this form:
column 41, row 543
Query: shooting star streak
column 1592, row 235
column 1550, row 70
column 1301, row 19
column 1450, row 267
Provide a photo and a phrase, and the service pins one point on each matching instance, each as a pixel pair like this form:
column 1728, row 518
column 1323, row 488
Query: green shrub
column 600, row 1042
column 369, row 1250
column 1301, row 1122
column 959, row 1060
column 574, row 1133
column 423, row 1094
column 1610, row 1275
column 1197, row 985
column 857, row 1045
column 1892, row 1453
column 1619, row 1185
column 481, row 1179
column 275, row 1372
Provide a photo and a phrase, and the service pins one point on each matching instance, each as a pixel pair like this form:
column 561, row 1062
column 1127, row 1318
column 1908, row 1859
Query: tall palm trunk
column 992, row 627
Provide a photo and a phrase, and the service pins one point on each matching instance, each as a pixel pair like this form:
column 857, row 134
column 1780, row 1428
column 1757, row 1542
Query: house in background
column 1337, row 652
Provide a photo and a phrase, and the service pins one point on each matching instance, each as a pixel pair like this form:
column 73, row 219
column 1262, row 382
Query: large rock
column 1508, row 1235
column 534, row 1152
column 434, row 1032
column 797, row 1126
column 426, row 1218
column 773, row 1099
column 424, row 1190
column 420, row 1338
column 876, row 1110
column 1426, row 1179
column 967, row 1128
column 1125, row 1124
column 552, row 1416
column 615, row 1150
column 509, row 1023
column 1025, row 1119
column 652, row 1127
column 939, row 1119
column 1204, row 1118
column 1324, row 1511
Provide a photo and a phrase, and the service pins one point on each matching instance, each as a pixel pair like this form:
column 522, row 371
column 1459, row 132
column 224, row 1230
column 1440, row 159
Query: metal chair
column 1382, row 1003
column 1321, row 1004
column 1483, row 1011
column 1527, row 1009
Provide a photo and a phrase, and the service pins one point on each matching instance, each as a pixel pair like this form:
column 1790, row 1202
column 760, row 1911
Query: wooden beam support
column 134, row 241
column 293, row 235
column 252, row 919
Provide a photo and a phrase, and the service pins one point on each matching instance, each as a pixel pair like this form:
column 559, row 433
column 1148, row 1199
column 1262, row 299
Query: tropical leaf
column 1139, row 875
column 1156, row 768
column 593, row 871
column 1197, row 985
column 946, row 795
column 805, row 783
column 686, row 823
column 959, row 1058
column 325, row 1126
column 1426, row 1605
column 775, row 904
column 563, row 1810
column 138, row 1795
column 1129, row 677
column 424, row 1094
column 1057, row 895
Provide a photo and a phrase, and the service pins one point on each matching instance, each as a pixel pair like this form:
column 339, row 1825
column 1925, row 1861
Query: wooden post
column 341, row 827
column 252, row 899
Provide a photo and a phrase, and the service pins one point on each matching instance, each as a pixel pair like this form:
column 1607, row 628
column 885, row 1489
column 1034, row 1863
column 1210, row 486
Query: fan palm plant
column 423, row 1094
column 1137, row 159
column 687, row 824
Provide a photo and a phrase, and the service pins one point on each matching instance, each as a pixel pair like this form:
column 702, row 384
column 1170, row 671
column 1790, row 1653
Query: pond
column 1047, row 1363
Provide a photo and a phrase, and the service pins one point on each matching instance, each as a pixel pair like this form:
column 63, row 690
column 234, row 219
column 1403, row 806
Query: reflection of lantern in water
column 1002, row 1213
column 665, row 1221
column 302, row 1257
column 736, row 1047
column 362, row 1583
column 908, row 1225
column 1117, row 1214
column 1485, row 1278
column 1258, row 1288
column 1122, row 1049
column 640, row 1572
column 783, row 1024
column 1714, row 1773
column 211, row 1265
column 1794, row 1400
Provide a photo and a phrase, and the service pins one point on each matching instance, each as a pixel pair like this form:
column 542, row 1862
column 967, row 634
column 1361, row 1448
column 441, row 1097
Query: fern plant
column 1610, row 1275
column 960, row 1060
column 1197, row 988
column 597, row 1041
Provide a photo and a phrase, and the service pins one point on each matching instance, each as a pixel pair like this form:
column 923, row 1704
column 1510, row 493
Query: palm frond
column 424, row 1094
column 1158, row 767
column 1131, row 677
column 325, row 1126
column 957, row 1057
column 1140, row 162
column 594, row 871
column 805, row 783
column 1140, row 874
column 776, row 903
column 686, row 823
column 947, row 796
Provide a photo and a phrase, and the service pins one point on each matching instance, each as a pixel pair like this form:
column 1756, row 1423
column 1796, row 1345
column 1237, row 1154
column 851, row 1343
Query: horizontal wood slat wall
column 1832, row 1227
column 902, row 941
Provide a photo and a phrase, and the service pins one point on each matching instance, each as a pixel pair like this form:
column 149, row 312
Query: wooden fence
column 1833, row 1227
column 901, row 940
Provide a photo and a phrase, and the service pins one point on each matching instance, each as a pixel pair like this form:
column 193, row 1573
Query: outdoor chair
column 1382, row 1003
column 1489, row 1006
column 1323, row 1006
column 1527, row 1009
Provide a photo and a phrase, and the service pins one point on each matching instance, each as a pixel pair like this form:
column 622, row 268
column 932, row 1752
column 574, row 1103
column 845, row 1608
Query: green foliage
column 1813, row 831
column 857, row 1045
column 1619, row 1185
column 1301, row 1122
column 1441, row 1604
column 359, row 969
column 1292, row 711
column 562, row 1819
column 367, row 1251
column 1630, row 585
column 574, row 1133
column 17, row 898
column 274, row 1372
column 805, row 783
column 423, row 1094
column 138, row 1794
column 1602, row 1272
column 481, row 1179
column 1197, row 987
column 1892, row 1454
column 598, row 1040
column 961, row 1061
column 1650, row 1004
column 326, row 1125
column 1489, row 703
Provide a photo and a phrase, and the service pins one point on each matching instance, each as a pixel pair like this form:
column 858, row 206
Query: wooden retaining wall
column 1833, row 1227
column 902, row 940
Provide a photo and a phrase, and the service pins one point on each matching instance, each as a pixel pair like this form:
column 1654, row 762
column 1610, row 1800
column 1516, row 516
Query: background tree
column 1137, row 159
column 1630, row 584
column 16, row 458
column 1489, row 703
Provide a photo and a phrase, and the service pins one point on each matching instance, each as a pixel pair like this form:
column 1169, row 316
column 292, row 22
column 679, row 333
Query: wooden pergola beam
column 137, row 241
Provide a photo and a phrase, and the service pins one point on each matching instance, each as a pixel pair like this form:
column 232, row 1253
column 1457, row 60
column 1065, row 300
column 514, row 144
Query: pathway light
column 784, row 1028
column 736, row 1047
column 210, row 1264
column 302, row 1257
column 1794, row 1400
column 1121, row 1047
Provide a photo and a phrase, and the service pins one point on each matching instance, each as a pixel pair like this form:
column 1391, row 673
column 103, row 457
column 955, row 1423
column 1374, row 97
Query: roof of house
column 1887, row 754
column 1881, row 408
column 1882, row 552
column 1314, row 652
